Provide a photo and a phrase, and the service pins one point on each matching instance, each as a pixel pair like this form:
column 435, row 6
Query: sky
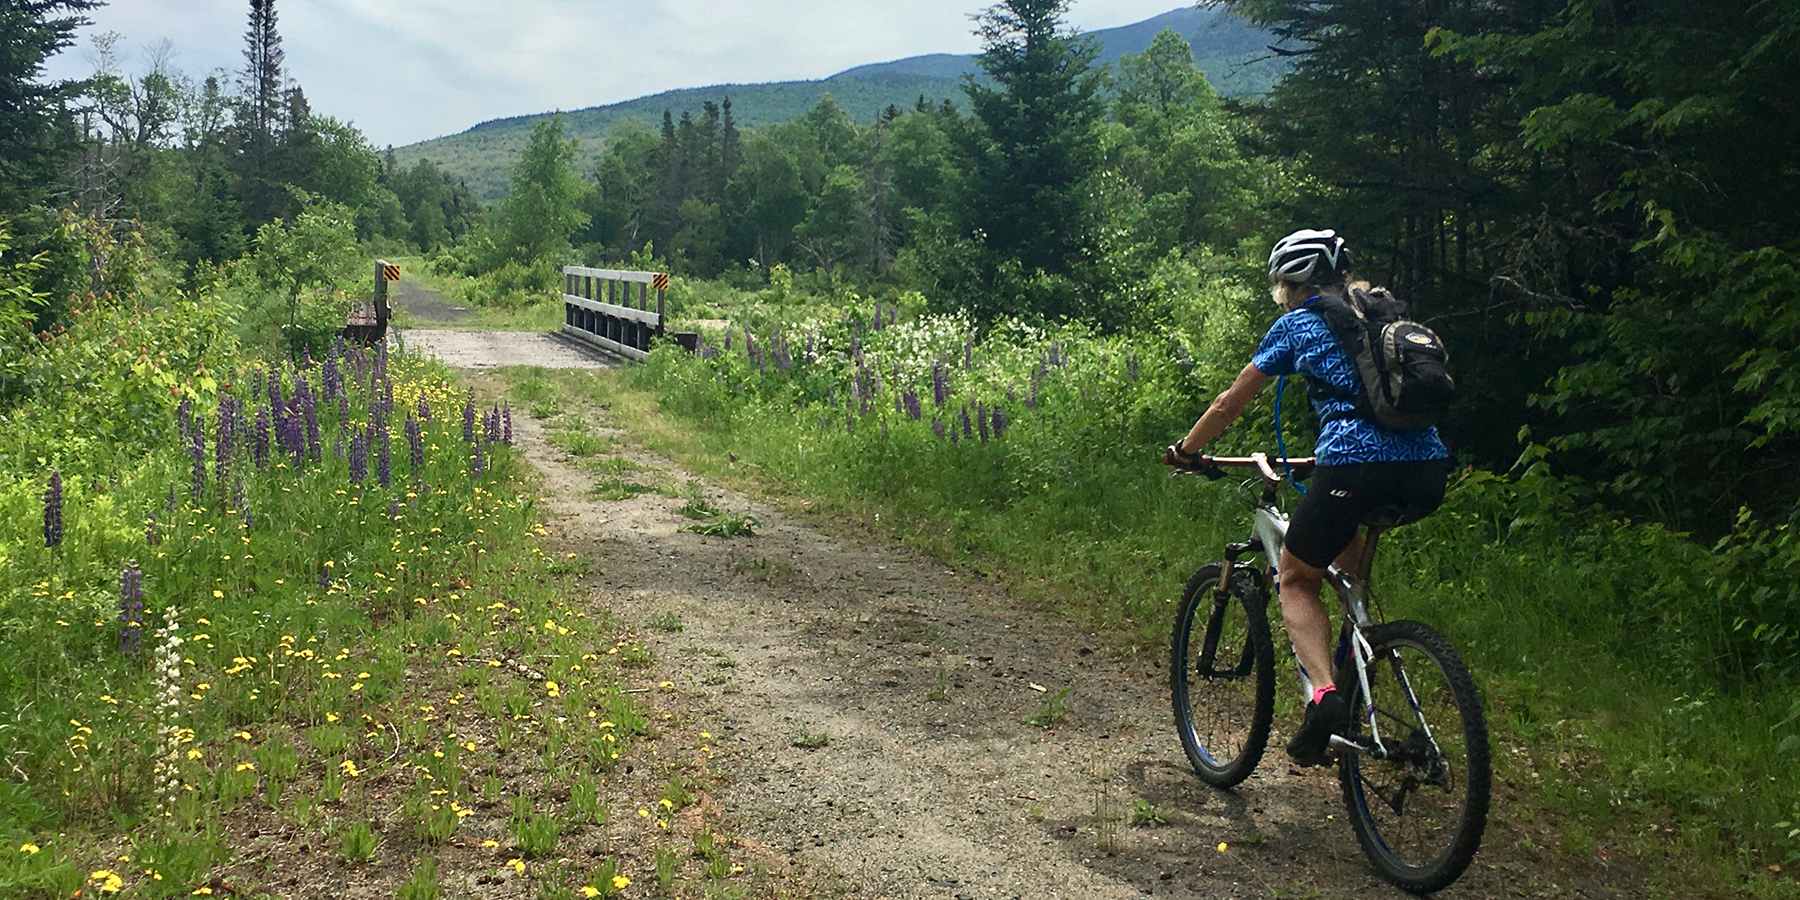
column 409, row 70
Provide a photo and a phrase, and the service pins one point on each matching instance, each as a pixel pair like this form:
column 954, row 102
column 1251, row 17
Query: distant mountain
column 1231, row 52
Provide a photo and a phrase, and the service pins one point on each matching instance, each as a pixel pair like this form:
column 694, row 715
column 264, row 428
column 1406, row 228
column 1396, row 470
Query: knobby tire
column 1420, row 818
column 1223, row 705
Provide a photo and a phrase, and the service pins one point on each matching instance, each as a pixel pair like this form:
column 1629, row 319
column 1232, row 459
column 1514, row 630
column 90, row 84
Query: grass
column 343, row 651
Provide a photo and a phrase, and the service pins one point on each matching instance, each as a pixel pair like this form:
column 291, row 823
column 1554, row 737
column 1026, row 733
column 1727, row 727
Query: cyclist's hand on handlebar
column 1173, row 455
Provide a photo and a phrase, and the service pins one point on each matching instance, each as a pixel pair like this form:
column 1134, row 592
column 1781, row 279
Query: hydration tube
column 1280, row 445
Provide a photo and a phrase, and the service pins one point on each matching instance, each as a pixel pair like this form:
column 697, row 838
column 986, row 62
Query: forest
column 1586, row 199
column 1579, row 196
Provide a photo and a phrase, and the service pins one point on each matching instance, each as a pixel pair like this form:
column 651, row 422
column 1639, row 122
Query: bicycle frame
column 1268, row 533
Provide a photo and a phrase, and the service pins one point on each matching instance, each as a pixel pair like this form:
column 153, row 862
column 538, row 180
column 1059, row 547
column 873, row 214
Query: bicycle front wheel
column 1222, row 675
column 1418, row 790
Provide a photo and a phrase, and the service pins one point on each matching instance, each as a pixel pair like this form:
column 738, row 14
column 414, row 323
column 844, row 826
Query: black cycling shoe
column 1329, row 716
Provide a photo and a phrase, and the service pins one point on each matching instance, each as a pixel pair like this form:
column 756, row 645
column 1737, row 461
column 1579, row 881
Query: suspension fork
column 1221, row 603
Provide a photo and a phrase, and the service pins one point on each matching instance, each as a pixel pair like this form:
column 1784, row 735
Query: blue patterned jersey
column 1300, row 343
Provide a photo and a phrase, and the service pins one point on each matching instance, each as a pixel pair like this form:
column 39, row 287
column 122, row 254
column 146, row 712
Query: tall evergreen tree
column 33, row 138
column 1038, row 135
column 1036, row 146
column 263, row 109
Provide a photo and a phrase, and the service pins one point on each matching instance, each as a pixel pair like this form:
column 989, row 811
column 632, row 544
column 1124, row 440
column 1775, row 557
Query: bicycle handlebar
column 1264, row 465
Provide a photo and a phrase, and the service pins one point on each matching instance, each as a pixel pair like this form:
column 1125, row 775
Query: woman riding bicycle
column 1362, row 469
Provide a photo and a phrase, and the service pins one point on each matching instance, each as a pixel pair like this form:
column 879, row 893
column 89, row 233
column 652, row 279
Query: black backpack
column 1403, row 365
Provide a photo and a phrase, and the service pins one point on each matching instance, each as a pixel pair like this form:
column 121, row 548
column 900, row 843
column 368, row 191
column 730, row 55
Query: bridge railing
column 599, row 308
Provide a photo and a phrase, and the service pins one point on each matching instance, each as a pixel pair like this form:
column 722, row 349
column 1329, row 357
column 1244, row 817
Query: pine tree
column 1039, row 139
column 32, row 142
column 262, row 109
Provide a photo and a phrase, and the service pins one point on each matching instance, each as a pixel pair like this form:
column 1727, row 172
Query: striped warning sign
column 660, row 281
column 390, row 272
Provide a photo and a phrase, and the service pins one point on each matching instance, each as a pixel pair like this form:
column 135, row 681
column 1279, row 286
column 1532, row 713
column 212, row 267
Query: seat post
column 1366, row 565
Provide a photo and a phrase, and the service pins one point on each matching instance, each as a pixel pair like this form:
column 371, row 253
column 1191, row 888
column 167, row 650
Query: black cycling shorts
column 1340, row 498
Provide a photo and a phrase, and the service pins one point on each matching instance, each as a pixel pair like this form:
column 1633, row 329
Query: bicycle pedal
column 1341, row 744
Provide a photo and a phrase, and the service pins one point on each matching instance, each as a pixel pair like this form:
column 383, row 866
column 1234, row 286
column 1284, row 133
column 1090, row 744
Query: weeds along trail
column 872, row 721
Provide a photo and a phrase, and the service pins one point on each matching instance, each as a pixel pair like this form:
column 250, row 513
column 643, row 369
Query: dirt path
column 866, row 706
column 481, row 349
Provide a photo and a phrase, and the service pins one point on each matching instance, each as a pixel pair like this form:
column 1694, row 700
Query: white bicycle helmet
column 1309, row 257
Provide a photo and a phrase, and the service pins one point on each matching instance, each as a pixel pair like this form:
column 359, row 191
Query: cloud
column 408, row 70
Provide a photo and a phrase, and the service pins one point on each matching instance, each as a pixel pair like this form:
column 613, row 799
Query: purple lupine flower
column 151, row 537
column 424, row 409
column 709, row 352
column 309, row 413
column 184, row 419
column 863, row 407
column 469, row 418
column 913, row 411
column 831, row 397
column 877, row 316
column 506, row 423
column 490, row 425
column 384, row 454
column 359, row 457
column 332, row 378
column 727, row 340
column 968, row 430
column 940, row 384
column 275, row 399
column 53, row 511
column 324, row 578
column 229, row 413
column 477, row 462
column 891, row 311
column 981, row 422
column 415, row 442
column 937, row 427
column 295, row 424
column 969, row 353
column 1000, row 422
column 197, row 450
column 131, row 610
column 259, row 438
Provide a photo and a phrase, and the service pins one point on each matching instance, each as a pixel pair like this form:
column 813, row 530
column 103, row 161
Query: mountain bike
column 1414, row 767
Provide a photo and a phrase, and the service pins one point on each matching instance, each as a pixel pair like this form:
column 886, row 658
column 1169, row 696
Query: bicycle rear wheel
column 1419, row 804
column 1222, row 675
